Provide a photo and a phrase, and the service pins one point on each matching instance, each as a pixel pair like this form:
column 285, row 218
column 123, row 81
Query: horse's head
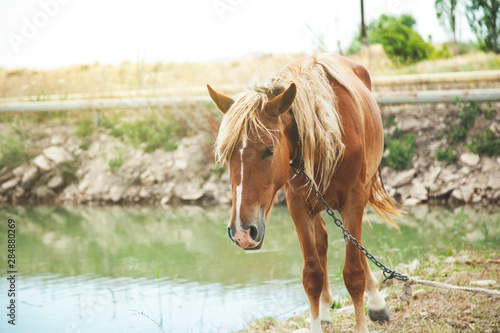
column 256, row 138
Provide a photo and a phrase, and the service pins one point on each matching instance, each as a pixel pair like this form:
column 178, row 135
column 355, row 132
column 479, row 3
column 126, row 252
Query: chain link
column 297, row 166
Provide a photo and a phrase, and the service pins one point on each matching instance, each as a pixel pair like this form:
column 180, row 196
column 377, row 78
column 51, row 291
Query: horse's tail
column 381, row 202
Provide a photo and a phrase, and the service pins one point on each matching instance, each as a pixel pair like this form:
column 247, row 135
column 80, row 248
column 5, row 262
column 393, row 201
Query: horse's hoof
column 326, row 324
column 381, row 315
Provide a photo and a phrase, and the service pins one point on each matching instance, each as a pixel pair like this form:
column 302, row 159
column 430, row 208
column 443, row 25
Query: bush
column 401, row 43
column 485, row 143
column 467, row 114
column 14, row 149
column 448, row 155
column 401, row 153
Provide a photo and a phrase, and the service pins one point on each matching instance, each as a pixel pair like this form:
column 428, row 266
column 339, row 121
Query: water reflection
column 129, row 269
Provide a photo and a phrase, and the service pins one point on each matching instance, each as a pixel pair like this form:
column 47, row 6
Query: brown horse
column 325, row 103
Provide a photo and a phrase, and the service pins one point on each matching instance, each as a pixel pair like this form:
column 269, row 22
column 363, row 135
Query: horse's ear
column 223, row 102
column 281, row 103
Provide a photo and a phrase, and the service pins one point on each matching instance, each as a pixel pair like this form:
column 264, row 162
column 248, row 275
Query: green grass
column 448, row 155
column 117, row 161
column 149, row 134
column 487, row 143
column 85, row 128
column 14, row 148
column 467, row 114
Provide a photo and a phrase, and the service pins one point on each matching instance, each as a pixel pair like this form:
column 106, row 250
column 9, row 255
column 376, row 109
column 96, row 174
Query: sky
column 55, row 33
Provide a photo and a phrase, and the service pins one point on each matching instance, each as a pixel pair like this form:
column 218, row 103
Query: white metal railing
column 389, row 97
column 490, row 76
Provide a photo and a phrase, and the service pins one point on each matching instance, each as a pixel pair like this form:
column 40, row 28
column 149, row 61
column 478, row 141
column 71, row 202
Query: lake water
column 130, row 269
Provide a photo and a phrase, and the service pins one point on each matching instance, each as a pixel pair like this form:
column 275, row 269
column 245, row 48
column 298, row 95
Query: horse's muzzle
column 250, row 237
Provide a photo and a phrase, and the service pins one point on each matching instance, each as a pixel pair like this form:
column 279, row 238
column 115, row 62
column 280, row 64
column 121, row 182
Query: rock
column 29, row 174
column 56, row 139
column 419, row 191
column 57, row 154
column 145, row 192
column 494, row 181
column 449, row 175
column 43, row 192
column 84, row 184
column 6, row 176
column 489, row 164
column 19, row 171
column 43, row 163
column 190, row 191
column 404, row 178
column 165, row 200
column 10, row 184
column 148, row 178
column 116, row 192
column 483, row 283
column 411, row 202
column 467, row 191
column 431, row 176
column 55, row 182
column 470, row 159
column 456, row 194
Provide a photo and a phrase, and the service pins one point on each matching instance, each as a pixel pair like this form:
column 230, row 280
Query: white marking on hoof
column 324, row 312
column 375, row 300
column 316, row 325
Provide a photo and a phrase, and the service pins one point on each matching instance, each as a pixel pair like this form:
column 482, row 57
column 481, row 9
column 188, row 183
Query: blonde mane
column 315, row 110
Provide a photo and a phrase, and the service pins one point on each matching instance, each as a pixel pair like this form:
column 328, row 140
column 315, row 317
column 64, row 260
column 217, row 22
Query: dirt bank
column 105, row 162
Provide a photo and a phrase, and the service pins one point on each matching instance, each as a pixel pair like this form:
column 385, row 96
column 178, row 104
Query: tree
column 484, row 19
column 446, row 13
column 401, row 43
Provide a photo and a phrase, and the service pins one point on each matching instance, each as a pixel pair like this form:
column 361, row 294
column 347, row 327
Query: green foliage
column 467, row 114
column 150, row 133
column 443, row 53
column 117, row 161
column 489, row 113
column 14, row 148
column 448, row 155
column 68, row 171
column 484, row 19
column 85, row 144
column 219, row 171
column 401, row 152
column 401, row 43
column 485, row 143
column 85, row 128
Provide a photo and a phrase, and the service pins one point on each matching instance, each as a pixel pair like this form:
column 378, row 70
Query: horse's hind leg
column 326, row 299
column 377, row 309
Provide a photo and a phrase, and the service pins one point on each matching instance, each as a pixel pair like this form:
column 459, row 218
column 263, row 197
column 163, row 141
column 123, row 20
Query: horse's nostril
column 253, row 232
column 229, row 233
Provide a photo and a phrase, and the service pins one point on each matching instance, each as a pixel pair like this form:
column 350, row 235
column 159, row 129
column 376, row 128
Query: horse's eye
column 269, row 151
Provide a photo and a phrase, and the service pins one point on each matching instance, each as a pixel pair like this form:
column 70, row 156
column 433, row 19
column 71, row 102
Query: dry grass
column 190, row 78
column 430, row 310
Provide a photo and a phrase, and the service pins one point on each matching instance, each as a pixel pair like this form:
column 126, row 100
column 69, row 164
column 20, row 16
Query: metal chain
column 297, row 166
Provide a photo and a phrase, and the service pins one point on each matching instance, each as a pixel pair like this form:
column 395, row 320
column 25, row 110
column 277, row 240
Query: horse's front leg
column 326, row 299
column 354, row 272
column 313, row 273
